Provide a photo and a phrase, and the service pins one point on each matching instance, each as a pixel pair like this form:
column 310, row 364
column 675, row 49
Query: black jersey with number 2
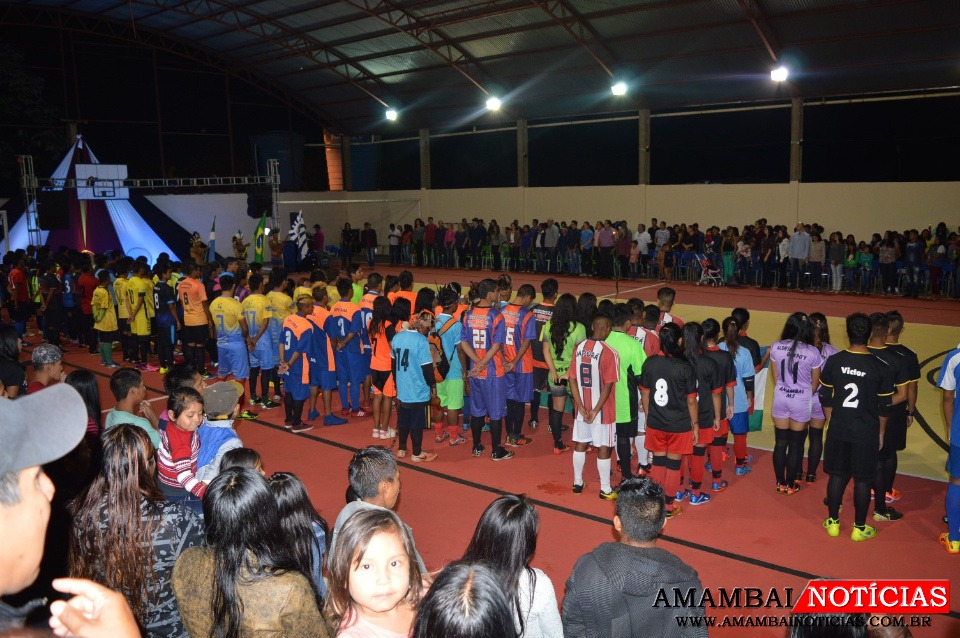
column 670, row 381
column 855, row 386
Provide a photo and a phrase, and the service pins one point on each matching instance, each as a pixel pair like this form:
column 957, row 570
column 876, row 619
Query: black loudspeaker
column 259, row 201
column 54, row 209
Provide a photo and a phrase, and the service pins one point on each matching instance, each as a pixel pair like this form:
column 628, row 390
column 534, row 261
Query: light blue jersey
column 743, row 362
column 410, row 350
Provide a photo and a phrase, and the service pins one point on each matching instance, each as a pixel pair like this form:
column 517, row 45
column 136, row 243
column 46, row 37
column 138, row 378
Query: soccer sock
column 342, row 391
column 640, row 442
column 603, row 467
column 242, row 400
column 476, row 429
column 510, row 421
column 402, row 438
column 496, row 434
column 106, row 354
column 534, row 406
column 795, row 455
column 355, row 395
column 199, row 357
column 815, row 451
column 254, row 375
column 556, row 423
column 781, row 443
column 288, row 407
column 716, row 458
column 861, row 501
column 658, row 472
column 416, row 438
column 519, row 408
column 953, row 511
column 835, row 489
column 623, row 456
column 579, row 460
column 671, row 481
column 697, row 461
column 297, row 412
column 740, row 448
column 890, row 469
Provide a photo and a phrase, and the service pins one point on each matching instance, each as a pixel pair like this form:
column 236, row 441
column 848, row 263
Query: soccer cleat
column 501, row 455
column 440, row 438
column 578, row 489
column 162, row 370
column 519, row 441
column 247, row 414
column 719, row 486
column 359, row 414
column 702, row 499
column 560, row 450
column 458, row 441
column 792, row 489
column 478, row 450
column 302, row 427
column 332, row 419
column 811, row 478
column 893, row 495
column 534, row 424
column 267, row 404
column 890, row 515
column 781, row 489
column 253, row 400
column 423, row 457
column 864, row 534
column 313, row 414
column 345, row 412
column 742, row 470
column 682, row 494
column 952, row 547
column 643, row 470
column 674, row 512
column 832, row 525
column 608, row 496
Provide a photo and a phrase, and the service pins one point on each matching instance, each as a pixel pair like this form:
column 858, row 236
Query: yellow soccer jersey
column 302, row 290
column 282, row 305
column 256, row 308
column 136, row 291
column 102, row 301
column 120, row 289
column 148, row 283
column 227, row 313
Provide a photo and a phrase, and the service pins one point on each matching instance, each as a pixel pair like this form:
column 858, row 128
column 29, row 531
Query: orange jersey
column 381, row 348
column 410, row 296
column 482, row 328
column 192, row 295
column 366, row 302
column 521, row 327
column 319, row 318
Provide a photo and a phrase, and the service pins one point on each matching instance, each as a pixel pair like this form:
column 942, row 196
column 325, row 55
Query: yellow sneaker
column 864, row 534
column 832, row 525
column 952, row 547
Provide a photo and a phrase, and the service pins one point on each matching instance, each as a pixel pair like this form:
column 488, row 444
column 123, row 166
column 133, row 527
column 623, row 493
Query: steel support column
column 425, row 158
column 523, row 162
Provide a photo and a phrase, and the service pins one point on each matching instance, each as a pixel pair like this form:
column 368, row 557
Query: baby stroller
column 709, row 276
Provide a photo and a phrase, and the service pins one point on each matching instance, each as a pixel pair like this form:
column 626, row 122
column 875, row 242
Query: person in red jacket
column 86, row 284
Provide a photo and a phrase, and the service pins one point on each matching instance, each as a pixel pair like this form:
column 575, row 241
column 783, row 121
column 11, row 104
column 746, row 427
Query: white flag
column 298, row 235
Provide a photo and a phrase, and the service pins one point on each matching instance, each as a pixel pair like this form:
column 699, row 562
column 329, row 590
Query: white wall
column 858, row 208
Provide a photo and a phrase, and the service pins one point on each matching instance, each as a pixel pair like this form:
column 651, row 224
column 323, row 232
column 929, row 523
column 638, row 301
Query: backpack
column 441, row 361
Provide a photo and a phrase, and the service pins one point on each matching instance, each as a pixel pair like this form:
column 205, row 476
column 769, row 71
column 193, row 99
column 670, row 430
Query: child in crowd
column 179, row 449
column 303, row 526
column 105, row 319
column 242, row 457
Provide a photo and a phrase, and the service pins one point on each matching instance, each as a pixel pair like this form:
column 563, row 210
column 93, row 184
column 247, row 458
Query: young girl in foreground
column 375, row 583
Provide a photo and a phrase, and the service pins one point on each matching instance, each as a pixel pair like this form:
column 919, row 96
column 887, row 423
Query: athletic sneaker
column 267, row 404
column 501, row 455
column 110, row 365
column 359, row 414
column 332, row 419
column 832, row 525
column 518, row 442
column 345, row 412
column 302, row 427
column 423, row 457
column 313, row 414
column 458, row 441
column 743, row 469
column 253, row 400
column 162, row 370
column 700, row 500
column 534, row 424
column 708, row 466
column 811, row 478
column 560, row 450
column 440, row 438
column 578, row 489
column 643, row 470
column 608, row 496
column 376, row 433
column 864, row 534
column 477, row 451
column 247, row 414
column 890, row 515
column 391, row 433
column 781, row 489
column 682, row 494
column 675, row 511
column 891, row 496
column 952, row 547
column 486, row 427
column 792, row 489
column 719, row 486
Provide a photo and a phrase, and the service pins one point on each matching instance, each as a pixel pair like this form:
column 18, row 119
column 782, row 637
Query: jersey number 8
column 660, row 397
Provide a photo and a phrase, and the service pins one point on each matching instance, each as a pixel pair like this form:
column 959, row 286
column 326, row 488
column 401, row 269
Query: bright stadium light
column 779, row 74
column 493, row 104
column 392, row 115
column 266, row 231
column 620, row 88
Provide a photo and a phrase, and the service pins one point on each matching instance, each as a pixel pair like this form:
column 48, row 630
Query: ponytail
column 731, row 336
column 693, row 342
column 670, row 341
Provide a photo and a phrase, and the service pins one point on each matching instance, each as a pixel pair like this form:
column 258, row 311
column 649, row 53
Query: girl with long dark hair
column 560, row 336
column 465, row 601
column 795, row 365
column 586, row 309
column 381, row 330
column 742, row 394
column 303, row 527
column 85, row 383
column 247, row 582
column 12, row 373
column 127, row 537
column 821, row 341
column 709, row 386
column 728, row 371
column 505, row 540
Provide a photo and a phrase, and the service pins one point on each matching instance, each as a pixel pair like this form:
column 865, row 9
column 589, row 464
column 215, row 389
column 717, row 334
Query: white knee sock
column 579, row 460
column 603, row 467
column 639, row 441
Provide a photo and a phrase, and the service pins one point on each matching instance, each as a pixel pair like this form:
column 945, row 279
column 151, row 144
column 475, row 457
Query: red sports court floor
column 748, row 536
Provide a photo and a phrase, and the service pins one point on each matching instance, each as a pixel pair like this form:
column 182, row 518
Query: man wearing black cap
column 26, row 444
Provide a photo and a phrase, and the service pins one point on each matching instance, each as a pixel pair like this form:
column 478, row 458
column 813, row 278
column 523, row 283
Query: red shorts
column 724, row 429
column 705, row 435
column 678, row 443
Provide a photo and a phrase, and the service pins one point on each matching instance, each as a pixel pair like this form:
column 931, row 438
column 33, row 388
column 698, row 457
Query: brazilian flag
column 259, row 238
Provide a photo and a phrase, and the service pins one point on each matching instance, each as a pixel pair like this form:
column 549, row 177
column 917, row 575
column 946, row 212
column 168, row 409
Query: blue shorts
column 740, row 423
column 358, row 366
column 264, row 354
column 519, row 386
column 341, row 365
column 488, row 397
column 296, row 389
column 366, row 360
column 233, row 360
column 328, row 380
column 953, row 462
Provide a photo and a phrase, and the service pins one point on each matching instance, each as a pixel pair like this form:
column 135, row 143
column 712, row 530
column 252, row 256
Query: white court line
column 623, row 292
column 148, row 400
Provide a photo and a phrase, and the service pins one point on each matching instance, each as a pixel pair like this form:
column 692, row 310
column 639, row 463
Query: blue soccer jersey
column 295, row 336
column 450, row 340
column 743, row 362
column 410, row 350
column 948, row 380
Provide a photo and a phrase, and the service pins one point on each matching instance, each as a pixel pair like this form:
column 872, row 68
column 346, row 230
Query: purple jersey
column 826, row 351
column 794, row 374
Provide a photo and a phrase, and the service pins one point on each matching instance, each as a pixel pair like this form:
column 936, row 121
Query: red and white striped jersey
column 594, row 365
column 649, row 339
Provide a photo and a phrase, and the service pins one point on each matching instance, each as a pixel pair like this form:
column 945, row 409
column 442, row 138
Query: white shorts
column 597, row 434
column 642, row 423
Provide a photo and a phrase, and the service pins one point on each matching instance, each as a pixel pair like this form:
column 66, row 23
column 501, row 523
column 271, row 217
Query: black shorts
column 109, row 336
column 540, row 379
column 195, row 334
column 895, row 434
column 413, row 416
column 379, row 378
column 21, row 312
column 629, row 428
column 858, row 459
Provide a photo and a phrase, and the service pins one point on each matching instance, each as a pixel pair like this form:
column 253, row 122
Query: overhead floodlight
column 779, row 74
column 620, row 88
column 493, row 104
column 392, row 115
